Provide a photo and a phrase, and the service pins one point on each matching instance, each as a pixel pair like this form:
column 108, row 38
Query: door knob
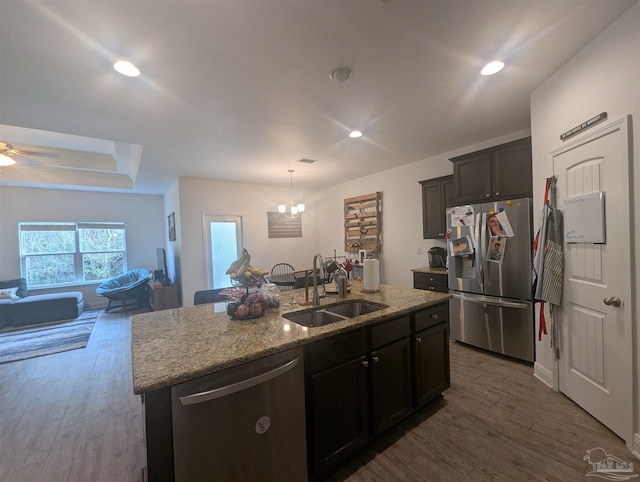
column 612, row 301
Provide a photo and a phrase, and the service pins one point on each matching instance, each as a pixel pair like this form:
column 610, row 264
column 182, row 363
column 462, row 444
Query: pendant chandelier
column 295, row 209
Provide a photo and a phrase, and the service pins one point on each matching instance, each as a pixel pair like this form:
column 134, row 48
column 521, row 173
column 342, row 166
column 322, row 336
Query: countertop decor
column 172, row 346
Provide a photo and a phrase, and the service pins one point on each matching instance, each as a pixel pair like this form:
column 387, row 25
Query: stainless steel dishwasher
column 245, row 423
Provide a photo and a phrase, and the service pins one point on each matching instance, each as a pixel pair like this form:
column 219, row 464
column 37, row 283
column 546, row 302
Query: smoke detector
column 341, row 74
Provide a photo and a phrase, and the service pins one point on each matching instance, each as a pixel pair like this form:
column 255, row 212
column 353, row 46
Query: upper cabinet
column 500, row 172
column 437, row 194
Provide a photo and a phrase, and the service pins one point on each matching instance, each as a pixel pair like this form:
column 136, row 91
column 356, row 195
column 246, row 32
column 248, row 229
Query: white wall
column 172, row 205
column 401, row 211
column 198, row 197
column 142, row 215
column 603, row 77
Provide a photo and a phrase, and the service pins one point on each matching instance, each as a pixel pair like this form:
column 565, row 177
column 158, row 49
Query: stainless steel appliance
column 244, row 423
column 437, row 257
column 490, row 276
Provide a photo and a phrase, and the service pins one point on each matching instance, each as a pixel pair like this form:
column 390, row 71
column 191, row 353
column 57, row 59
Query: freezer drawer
column 244, row 423
column 501, row 325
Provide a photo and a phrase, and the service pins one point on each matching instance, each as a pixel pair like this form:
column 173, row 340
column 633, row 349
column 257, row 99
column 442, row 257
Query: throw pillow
column 8, row 293
column 20, row 283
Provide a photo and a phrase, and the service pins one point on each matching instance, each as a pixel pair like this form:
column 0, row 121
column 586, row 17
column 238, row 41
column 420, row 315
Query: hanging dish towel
column 548, row 257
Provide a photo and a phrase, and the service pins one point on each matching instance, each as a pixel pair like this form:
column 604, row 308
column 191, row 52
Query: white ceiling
column 239, row 90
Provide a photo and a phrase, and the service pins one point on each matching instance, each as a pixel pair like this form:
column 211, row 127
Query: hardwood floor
column 73, row 417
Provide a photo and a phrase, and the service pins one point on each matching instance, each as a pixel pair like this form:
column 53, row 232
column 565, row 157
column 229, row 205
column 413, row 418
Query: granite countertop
column 427, row 269
column 172, row 346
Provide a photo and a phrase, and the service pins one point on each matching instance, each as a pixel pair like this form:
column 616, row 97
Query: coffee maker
column 437, row 257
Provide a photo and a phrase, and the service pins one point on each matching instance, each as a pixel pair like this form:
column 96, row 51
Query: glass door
column 223, row 244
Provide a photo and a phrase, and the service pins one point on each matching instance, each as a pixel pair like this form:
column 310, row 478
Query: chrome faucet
column 316, row 298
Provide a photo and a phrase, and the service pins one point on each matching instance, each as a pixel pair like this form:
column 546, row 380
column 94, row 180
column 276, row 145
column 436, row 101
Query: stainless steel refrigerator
column 489, row 253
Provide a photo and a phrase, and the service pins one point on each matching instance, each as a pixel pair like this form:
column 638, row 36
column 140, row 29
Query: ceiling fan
column 10, row 156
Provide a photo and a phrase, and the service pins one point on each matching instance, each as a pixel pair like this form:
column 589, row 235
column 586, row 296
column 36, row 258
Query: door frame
column 207, row 218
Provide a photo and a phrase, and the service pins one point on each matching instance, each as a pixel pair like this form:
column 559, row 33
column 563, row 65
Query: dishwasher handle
column 238, row 386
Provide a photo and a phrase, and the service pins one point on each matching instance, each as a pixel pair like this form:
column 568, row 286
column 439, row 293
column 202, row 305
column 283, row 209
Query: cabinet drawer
column 390, row 331
column 431, row 282
column 324, row 354
column 431, row 316
column 431, row 279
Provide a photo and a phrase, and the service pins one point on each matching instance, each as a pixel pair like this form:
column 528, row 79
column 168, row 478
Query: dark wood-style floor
column 73, row 417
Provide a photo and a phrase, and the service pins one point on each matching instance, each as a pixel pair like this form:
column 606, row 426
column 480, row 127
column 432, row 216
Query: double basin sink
column 330, row 314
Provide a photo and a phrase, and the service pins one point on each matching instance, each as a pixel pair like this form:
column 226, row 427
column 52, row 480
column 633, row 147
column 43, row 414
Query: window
column 58, row 254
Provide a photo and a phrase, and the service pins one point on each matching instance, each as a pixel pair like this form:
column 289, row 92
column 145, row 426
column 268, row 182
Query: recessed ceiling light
column 355, row 134
column 126, row 68
column 492, row 68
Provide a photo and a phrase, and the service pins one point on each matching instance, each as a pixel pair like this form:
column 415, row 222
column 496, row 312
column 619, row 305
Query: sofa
column 18, row 308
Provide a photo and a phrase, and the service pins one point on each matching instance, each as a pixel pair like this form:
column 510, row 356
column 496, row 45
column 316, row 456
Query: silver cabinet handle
column 365, row 363
column 612, row 301
column 418, row 339
column 238, row 386
column 376, row 359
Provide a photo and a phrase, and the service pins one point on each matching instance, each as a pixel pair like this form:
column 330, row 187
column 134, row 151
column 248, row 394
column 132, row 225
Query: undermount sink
column 330, row 314
column 313, row 318
column 354, row 308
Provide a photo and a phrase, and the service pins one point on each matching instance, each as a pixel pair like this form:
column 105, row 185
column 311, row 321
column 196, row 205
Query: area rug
column 39, row 340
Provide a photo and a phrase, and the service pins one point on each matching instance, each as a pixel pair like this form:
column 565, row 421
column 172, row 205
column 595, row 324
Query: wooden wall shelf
column 363, row 223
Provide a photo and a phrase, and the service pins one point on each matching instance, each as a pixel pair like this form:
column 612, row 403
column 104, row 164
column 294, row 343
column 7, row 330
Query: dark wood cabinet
column 431, row 281
column 391, row 385
column 500, row 172
column 337, row 412
column 437, row 195
column 431, row 353
column 337, row 392
column 162, row 297
column 363, row 383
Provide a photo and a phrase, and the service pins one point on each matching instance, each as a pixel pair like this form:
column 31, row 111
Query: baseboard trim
column 543, row 374
column 636, row 445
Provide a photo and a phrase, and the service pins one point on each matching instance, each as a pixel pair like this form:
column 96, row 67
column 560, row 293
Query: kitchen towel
column 371, row 274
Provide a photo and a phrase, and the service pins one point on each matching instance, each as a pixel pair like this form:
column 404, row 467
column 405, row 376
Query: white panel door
column 595, row 335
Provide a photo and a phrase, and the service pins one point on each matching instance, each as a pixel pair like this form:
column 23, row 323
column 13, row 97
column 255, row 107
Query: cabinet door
column 511, row 170
column 337, row 414
column 449, row 197
column 390, row 384
column 435, row 194
column 431, row 360
column 472, row 177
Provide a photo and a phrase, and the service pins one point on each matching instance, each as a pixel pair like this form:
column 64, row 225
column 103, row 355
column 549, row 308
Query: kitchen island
column 173, row 346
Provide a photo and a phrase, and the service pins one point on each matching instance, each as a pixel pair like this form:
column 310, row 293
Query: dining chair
column 208, row 296
column 283, row 269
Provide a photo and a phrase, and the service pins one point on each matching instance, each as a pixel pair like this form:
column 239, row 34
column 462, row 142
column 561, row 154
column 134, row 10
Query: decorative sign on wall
column 363, row 223
column 584, row 220
column 591, row 122
column 281, row 226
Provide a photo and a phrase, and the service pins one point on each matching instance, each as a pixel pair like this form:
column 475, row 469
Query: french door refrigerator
column 489, row 268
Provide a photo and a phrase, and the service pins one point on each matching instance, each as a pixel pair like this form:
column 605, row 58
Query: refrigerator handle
column 239, row 386
column 488, row 300
column 484, row 241
column 479, row 235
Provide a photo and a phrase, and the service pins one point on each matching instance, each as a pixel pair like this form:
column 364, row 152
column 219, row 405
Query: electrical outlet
column 419, row 251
